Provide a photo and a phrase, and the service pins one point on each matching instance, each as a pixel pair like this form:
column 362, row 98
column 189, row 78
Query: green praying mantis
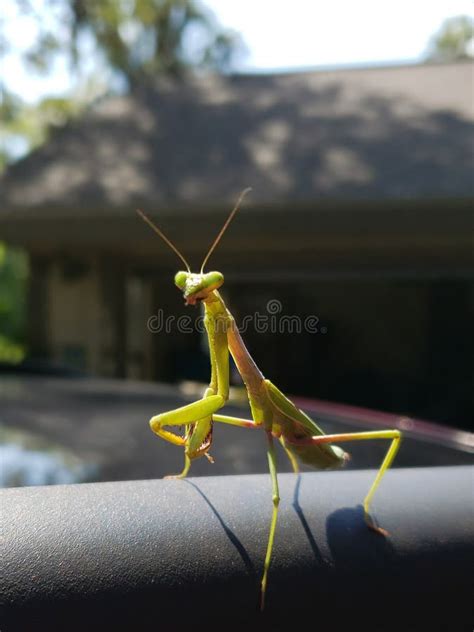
column 302, row 439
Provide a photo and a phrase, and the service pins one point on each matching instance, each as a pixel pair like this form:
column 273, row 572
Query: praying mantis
column 302, row 439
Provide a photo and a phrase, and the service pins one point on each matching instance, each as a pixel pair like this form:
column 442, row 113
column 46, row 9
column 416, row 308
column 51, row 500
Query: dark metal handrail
column 152, row 555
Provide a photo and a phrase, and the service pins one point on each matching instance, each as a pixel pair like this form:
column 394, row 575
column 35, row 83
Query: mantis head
column 197, row 287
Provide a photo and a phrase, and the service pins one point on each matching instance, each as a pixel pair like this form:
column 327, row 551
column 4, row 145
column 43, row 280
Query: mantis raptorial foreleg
column 201, row 410
column 197, row 416
column 204, row 407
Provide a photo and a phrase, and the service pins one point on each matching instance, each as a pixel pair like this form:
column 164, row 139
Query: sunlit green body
column 271, row 410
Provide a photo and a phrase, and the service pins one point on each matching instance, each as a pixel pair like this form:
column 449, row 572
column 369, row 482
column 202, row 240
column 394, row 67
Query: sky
column 335, row 32
column 282, row 35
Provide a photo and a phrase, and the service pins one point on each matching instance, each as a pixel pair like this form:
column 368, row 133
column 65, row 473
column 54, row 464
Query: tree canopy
column 108, row 45
column 137, row 38
column 454, row 40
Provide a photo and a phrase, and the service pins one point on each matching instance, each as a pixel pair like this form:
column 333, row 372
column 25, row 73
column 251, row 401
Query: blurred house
column 360, row 215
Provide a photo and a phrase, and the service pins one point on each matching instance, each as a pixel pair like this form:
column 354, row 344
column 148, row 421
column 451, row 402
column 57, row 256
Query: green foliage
column 129, row 40
column 137, row 38
column 146, row 37
column 134, row 40
column 13, row 280
column 455, row 40
column 25, row 126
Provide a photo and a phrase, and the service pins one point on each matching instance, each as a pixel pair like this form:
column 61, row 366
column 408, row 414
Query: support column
column 114, row 292
column 38, row 339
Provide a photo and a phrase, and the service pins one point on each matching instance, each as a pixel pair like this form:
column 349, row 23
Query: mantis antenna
column 224, row 228
column 146, row 219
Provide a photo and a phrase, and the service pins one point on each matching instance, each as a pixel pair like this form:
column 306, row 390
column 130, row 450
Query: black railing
column 164, row 555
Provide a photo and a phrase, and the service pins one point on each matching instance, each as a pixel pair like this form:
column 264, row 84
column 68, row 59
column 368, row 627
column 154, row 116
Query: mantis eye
column 213, row 280
column 180, row 279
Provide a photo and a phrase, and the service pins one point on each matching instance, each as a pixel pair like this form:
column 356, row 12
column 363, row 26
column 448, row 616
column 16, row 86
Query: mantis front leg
column 198, row 415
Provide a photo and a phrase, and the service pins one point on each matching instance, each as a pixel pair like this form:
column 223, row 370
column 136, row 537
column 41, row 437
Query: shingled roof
column 375, row 133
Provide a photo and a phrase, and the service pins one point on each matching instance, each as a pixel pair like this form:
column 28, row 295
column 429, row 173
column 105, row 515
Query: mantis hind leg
column 394, row 435
column 276, row 503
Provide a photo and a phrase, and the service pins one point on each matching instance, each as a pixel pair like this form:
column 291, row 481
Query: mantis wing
column 300, row 427
column 288, row 409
